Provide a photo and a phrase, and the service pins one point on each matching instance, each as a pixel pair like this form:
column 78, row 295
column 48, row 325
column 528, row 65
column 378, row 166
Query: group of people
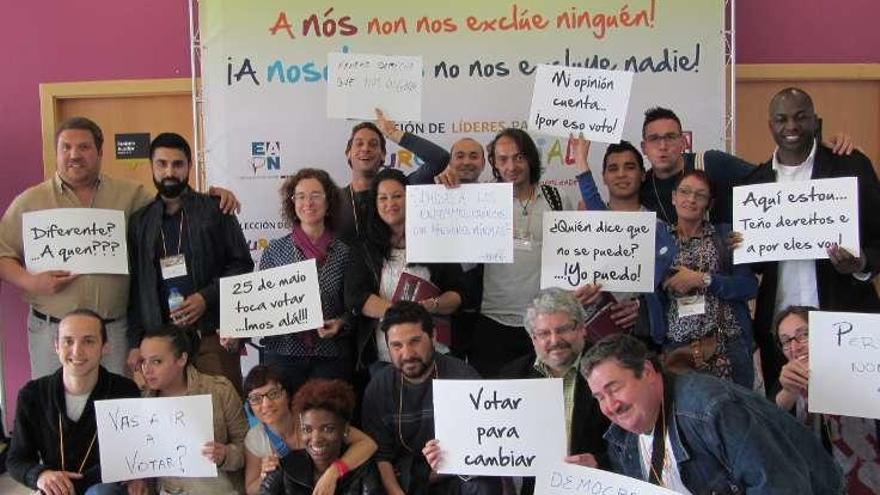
column 669, row 398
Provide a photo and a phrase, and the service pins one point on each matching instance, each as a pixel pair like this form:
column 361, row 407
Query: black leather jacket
column 218, row 250
column 296, row 476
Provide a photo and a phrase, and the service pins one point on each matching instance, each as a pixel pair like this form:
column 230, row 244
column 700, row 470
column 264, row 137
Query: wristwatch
column 707, row 279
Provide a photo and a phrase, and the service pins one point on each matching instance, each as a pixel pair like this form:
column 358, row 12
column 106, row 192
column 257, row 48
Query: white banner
column 572, row 100
column 499, row 427
column 154, row 437
column 559, row 478
column 265, row 75
column 357, row 84
column 796, row 220
column 844, row 367
column 615, row 249
column 281, row 300
column 81, row 240
column 472, row 223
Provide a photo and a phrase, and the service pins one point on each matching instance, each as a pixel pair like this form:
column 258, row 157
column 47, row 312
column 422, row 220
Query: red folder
column 600, row 324
column 414, row 288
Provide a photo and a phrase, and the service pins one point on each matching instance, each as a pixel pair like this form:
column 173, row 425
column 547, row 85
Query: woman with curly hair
column 277, row 433
column 324, row 409
column 310, row 203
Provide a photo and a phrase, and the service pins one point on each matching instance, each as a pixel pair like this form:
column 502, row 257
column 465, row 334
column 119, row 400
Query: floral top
column 702, row 253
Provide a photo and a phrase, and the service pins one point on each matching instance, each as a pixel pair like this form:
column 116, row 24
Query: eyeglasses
column 313, row 197
column 544, row 335
column 801, row 337
column 658, row 138
column 698, row 195
column 257, row 399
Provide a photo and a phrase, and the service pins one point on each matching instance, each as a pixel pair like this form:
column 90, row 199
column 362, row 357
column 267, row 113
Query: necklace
column 524, row 205
column 179, row 237
column 660, row 201
column 658, row 458
column 434, row 374
column 61, row 439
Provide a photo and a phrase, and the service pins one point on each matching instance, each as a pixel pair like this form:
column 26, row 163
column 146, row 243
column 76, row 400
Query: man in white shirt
column 842, row 282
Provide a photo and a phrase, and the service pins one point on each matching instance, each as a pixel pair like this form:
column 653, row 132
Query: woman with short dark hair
column 705, row 297
column 324, row 409
column 277, row 433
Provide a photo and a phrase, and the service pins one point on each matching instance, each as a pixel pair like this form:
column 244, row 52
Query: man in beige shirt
column 51, row 294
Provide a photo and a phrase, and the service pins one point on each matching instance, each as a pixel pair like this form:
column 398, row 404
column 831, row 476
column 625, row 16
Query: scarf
column 312, row 250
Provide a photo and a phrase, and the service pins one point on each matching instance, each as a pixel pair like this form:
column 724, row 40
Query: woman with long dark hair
column 379, row 263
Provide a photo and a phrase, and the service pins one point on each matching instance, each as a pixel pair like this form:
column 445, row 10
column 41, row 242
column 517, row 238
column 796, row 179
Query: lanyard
column 179, row 237
column 85, row 458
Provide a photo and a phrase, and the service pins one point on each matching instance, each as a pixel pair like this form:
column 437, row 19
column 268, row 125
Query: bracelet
column 341, row 467
column 435, row 303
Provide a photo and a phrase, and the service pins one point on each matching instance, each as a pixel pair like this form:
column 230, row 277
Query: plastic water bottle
column 175, row 299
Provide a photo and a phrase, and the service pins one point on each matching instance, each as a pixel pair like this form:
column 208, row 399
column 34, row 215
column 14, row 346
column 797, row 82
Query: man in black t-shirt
column 398, row 410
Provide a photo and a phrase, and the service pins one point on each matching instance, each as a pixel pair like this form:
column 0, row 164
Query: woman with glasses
column 705, row 296
column 310, row 203
column 165, row 355
column 852, row 441
column 323, row 409
column 380, row 262
column 277, row 433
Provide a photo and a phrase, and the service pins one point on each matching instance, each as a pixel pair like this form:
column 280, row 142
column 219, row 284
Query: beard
column 170, row 188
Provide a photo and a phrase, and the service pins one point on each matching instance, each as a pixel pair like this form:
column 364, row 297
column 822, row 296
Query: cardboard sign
column 154, row 437
column 499, row 427
column 358, row 83
column 281, row 300
column 559, row 478
column 615, row 249
column 844, row 369
column 573, row 100
column 81, row 240
column 796, row 220
column 472, row 223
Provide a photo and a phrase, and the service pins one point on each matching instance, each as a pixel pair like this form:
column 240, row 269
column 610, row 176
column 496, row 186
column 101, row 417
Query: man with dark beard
column 180, row 245
column 398, row 410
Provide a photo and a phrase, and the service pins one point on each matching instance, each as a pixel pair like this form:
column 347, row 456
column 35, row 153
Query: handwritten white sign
column 358, row 83
column 796, row 220
column 81, row 240
column 499, row 427
column 469, row 224
column 277, row 301
column 844, row 368
column 615, row 249
column 153, row 437
column 559, row 478
column 573, row 100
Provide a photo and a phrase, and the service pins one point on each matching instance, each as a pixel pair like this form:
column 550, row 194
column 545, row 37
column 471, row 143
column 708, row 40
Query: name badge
column 691, row 305
column 173, row 266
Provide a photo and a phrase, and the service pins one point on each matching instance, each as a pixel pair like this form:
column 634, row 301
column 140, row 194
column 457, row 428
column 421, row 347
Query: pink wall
column 807, row 31
column 57, row 40
column 60, row 40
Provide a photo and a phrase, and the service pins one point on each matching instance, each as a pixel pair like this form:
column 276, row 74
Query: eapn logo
column 266, row 154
